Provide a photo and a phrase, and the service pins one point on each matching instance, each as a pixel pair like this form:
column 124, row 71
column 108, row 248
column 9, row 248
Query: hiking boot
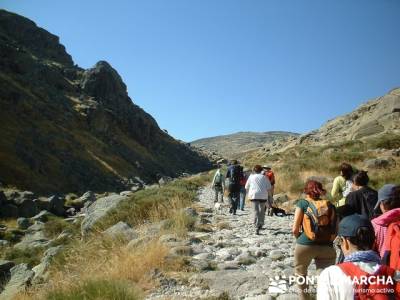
column 258, row 231
column 230, row 210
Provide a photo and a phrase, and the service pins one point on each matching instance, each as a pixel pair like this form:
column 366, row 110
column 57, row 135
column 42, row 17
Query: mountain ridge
column 67, row 129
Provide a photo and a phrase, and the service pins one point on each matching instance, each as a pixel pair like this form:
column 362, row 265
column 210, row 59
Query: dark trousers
column 234, row 200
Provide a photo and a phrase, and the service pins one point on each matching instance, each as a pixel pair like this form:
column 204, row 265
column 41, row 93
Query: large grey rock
column 33, row 240
column 42, row 270
column 19, row 197
column 5, row 267
column 89, row 196
column 98, row 210
column 379, row 163
column 9, row 211
column 27, row 208
column 56, row 205
column 43, row 216
column 121, row 230
column 20, row 278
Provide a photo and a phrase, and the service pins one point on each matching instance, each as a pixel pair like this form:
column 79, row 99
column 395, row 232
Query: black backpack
column 235, row 174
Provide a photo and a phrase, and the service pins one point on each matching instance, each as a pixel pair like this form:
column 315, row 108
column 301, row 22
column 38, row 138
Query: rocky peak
column 104, row 83
column 20, row 31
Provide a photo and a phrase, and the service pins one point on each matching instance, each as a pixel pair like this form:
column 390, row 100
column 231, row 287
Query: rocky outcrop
column 70, row 130
column 380, row 115
column 20, row 278
column 99, row 210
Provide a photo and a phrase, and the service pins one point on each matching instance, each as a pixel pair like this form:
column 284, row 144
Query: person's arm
column 335, row 193
column 247, row 185
column 213, row 181
column 298, row 219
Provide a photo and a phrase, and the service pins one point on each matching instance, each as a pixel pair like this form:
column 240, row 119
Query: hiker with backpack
column 387, row 225
column 342, row 184
column 218, row 184
column 233, row 175
column 362, row 200
column 271, row 177
column 361, row 275
column 315, row 227
column 242, row 183
column 259, row 190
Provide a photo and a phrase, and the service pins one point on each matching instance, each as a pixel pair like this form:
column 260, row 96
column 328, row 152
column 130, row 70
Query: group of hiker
column 363, row 224
column 258, row 186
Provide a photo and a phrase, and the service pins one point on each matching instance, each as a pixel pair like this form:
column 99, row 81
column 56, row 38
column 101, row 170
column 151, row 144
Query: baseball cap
column 384, row 193
column 349, row 225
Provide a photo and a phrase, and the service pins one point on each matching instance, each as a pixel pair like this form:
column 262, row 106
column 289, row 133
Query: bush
column 31, row 256
column 97, row 289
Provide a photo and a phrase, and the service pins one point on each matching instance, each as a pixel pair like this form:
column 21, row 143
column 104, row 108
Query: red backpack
column 371, row 288
column 391, row 257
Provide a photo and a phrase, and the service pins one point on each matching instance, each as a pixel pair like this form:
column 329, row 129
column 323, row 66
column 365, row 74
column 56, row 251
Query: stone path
column 232, row 259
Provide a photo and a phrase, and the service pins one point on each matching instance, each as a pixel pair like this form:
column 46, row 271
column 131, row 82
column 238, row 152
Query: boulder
column 98, row 210
column 126, row 193
column 42, row 270
column 89, row 196
column 281, row 198
column 379, row 163
column 56, row 205
column 9, row 211
column 4, row 243
column 19, row 197
column 43, row 216
column 121, row 230
column 42, row 204
column 3, row 198
column 33, row 240
column 27, row 208
column 23, row 223
column 5, row 267
column 276, row 255
column 20, row 278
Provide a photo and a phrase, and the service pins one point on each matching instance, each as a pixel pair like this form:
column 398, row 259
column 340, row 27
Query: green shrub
column 387, row 141
column 30, row 256
column 55, row 225
column 97, row 290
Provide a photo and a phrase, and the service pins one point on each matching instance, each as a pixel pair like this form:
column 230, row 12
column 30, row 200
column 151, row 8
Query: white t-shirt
column 257, row 187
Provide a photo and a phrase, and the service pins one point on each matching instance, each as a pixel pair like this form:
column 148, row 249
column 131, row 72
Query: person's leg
column 256, row 208
column 236, row 200
column 241, row 199
column 261, row 218
column 303, row 256
column 326, row 256
column 216, row 194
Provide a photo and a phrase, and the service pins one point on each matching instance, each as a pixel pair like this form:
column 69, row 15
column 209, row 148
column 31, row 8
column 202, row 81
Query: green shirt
column 303, row 239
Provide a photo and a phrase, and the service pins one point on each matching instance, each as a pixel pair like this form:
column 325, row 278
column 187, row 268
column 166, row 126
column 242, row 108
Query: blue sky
column 209, row 67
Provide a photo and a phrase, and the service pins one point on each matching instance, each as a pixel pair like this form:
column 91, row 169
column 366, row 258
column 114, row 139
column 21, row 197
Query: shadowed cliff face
column 68, row 129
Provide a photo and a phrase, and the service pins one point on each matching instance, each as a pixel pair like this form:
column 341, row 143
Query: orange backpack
column 371, row 288
column 392, row 246
column 320, row 221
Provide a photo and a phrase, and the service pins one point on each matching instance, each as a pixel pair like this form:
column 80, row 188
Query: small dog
column 279, row 212
column 218, row 207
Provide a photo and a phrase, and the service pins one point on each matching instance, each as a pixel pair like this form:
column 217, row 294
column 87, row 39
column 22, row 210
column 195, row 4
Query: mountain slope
column 67, row 129
column 235, row 145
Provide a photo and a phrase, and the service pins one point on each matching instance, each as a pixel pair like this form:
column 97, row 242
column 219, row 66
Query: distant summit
column 66, row 129
column 237, row 144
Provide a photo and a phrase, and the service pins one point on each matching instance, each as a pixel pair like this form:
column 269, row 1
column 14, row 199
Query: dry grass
column 87, row 263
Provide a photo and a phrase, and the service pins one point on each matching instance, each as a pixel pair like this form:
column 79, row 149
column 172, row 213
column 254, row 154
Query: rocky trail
column 232, row 260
